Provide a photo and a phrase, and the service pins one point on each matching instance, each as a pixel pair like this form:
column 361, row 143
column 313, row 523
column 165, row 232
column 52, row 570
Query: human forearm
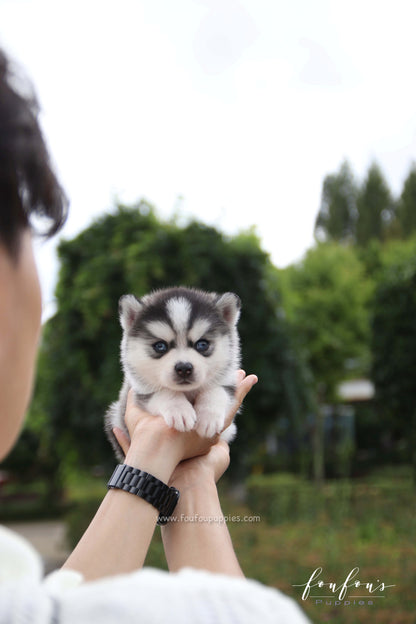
column 118, row 537
column 198, row 535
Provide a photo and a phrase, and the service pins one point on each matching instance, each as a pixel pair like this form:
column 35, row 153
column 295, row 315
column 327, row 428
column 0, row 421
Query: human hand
column 212, row 465
column 151, row 437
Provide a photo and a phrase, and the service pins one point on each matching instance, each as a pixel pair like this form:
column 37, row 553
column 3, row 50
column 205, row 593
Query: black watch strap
column 145, row 485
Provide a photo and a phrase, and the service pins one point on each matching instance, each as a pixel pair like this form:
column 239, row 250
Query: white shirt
column 147, row 596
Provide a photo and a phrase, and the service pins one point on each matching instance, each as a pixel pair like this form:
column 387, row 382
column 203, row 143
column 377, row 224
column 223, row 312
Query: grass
column 375, row 532
column 288, row 554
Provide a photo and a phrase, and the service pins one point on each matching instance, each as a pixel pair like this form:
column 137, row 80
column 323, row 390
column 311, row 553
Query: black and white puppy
column 180, row 353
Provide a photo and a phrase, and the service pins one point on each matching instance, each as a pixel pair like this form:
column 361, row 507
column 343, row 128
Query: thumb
column 244, row 385
column 122, row 439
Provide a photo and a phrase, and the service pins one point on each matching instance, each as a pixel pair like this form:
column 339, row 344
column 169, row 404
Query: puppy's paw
column 209, row 423
column 180, row 416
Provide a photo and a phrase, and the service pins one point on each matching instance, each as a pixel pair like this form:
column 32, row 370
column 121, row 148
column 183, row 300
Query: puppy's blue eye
column 202, row 346
column 160, row 347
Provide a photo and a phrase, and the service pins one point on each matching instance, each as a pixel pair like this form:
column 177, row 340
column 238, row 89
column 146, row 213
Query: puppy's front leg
column 212, row 407
column 176, row 410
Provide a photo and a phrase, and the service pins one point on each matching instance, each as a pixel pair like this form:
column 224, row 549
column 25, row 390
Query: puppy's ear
column 128, row 308
column 229, row 305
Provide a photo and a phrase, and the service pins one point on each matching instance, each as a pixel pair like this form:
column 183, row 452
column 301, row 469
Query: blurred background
column 265, row 148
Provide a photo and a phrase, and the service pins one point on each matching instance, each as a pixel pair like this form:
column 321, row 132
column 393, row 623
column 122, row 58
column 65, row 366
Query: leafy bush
column 281, row 498
column 25, row 501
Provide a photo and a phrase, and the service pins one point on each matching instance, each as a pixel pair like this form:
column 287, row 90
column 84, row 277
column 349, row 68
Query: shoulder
column 153, row 595
column 18, row 559
column 188, row 595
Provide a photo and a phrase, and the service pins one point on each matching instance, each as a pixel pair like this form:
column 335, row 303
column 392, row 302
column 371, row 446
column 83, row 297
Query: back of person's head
column 28, row 185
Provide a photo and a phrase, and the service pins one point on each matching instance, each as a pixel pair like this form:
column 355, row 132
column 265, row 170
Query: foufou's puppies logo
column 320, row 589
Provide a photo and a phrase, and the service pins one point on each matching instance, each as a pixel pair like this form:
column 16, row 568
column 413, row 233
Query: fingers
column 135, row 416
column 244, row 385
column 224, row 445
column 122, row 439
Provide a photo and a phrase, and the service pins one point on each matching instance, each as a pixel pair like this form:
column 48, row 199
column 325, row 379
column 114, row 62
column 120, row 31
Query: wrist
column 195, row 492
column 146, row 486
column 152, row 451
column 194, row 479
column 196, row 503
column 202, row 471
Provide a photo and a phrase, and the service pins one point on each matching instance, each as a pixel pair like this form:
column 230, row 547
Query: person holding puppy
column 103, row 579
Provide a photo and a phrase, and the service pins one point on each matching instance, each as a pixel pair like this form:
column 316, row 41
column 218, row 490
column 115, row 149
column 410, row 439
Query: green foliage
column 343, row 329
column 326, row 299
column 28, row 499
column 378, row 257
column 284, row 497
column 394, row 352
column 337, row 216
column 301, row 347
column 375, row 208
column 133, row 251
column 406, row 209
column 394, row 255
column 361, row 214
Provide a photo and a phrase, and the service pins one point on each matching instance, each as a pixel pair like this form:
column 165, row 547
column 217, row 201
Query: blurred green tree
column 133, row 251
column 326, row 298
column 359, row 213
column 336, row 220
column 406, row 209
column 375, row 208
column 394, row 355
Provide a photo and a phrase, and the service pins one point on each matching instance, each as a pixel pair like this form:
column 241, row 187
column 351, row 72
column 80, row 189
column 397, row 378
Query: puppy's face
column 176, row 343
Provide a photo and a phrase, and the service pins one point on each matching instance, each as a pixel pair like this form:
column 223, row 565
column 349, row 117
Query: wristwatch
column 145, row 485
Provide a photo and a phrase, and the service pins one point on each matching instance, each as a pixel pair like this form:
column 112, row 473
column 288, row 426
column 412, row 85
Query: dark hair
column 28, row 185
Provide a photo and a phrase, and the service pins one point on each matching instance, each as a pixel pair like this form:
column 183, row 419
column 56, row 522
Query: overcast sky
column 232, row 111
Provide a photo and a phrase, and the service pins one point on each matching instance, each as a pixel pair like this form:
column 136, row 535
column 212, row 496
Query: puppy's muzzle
column 184, row 371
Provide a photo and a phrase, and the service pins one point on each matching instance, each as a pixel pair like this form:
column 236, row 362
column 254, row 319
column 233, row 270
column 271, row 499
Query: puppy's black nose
column 184, row 369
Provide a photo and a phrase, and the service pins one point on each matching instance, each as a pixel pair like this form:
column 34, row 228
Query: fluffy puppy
column 180, row 353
